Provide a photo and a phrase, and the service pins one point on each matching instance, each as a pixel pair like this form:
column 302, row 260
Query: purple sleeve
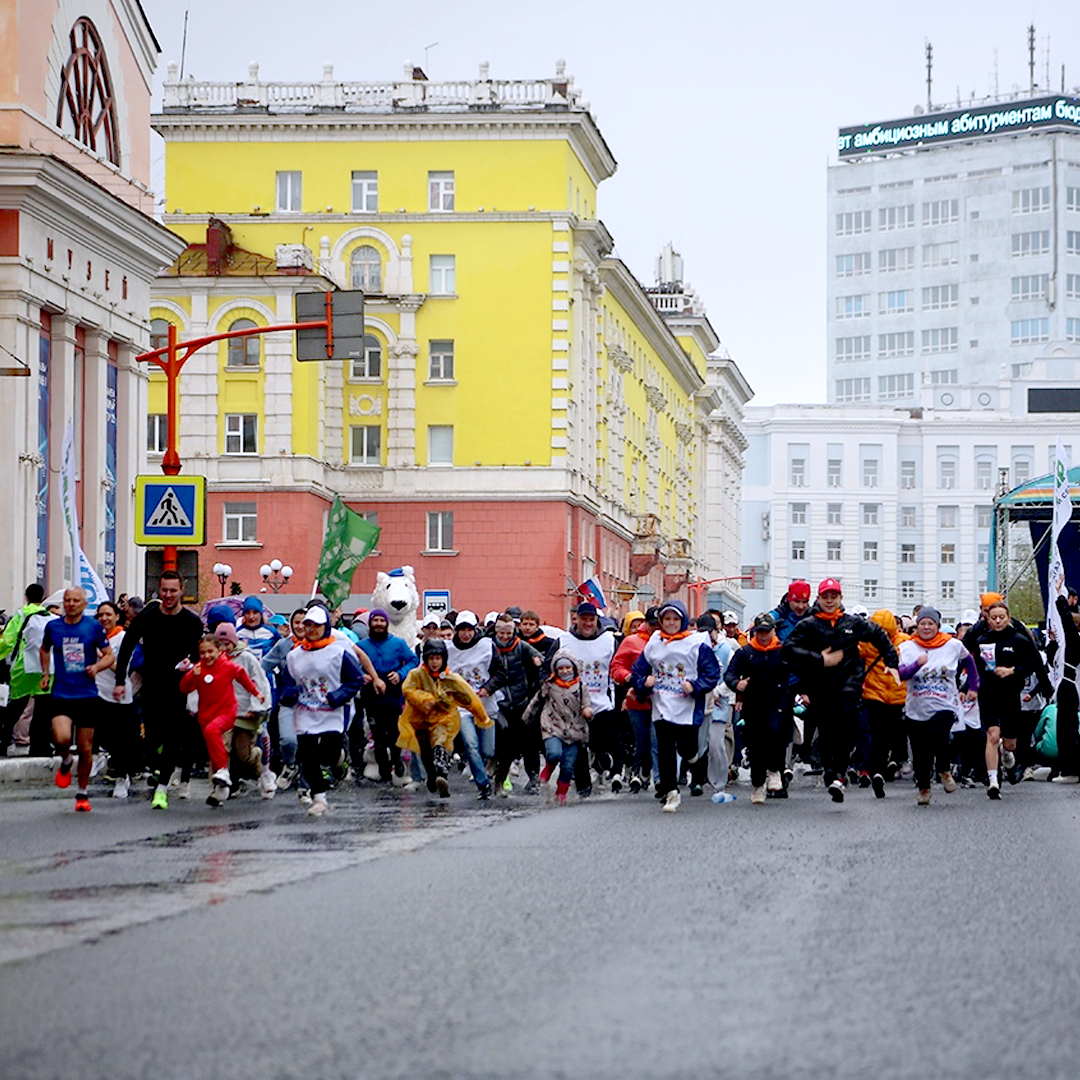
column 905, row 671
column 968, row 662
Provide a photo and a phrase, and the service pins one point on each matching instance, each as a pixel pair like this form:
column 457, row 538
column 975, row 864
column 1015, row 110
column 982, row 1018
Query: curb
column 42, row 769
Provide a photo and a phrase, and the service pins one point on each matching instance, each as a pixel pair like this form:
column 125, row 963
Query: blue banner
column 42, row 497
column 109, row 568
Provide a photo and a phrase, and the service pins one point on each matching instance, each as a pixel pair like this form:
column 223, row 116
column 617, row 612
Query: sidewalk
column 32, row 769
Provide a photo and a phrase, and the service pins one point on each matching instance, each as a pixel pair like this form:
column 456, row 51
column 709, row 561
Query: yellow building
column 523, row 414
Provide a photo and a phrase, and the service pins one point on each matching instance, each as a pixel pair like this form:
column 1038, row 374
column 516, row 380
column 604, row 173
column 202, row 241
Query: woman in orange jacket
column 883, row 700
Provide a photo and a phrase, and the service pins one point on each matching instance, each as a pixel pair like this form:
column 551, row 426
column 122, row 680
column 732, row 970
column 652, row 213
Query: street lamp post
column 223, row 572
column 276, row 574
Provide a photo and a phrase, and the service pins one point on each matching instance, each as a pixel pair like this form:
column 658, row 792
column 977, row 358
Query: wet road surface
column 404, row 937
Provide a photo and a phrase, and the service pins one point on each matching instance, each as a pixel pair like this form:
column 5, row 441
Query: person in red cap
column 794, row 605
column 823, row 652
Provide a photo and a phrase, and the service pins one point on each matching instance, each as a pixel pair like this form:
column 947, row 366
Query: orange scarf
column 565, row 684
column 829, row 618
column 935, row 642
column 675, row 637
column 774, row 643
column 114, row 631
column 320, row 644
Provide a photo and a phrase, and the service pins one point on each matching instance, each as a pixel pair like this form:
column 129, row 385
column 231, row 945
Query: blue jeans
column 479, row 747
column 286, row 734
column 563, row 754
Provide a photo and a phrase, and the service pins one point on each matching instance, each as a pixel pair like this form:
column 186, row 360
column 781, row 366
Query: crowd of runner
column 252, row 700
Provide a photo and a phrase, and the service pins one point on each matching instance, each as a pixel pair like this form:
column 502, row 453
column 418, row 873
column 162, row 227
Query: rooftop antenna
column 997, row 88
column 183, row 46
column 1031, row 56
column 427, row 49
column 1046, row 83
column 929, row 75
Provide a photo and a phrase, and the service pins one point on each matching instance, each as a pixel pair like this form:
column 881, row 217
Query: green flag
column 349, row 540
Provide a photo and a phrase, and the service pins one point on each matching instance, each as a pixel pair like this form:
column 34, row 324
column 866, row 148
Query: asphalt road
column 404, row 937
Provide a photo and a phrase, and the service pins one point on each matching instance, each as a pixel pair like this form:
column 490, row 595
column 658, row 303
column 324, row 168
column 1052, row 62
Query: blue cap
column 279, row 620
column 253, row 603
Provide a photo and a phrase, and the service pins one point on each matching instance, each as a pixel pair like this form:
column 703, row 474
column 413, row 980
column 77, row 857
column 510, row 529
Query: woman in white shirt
column 118, row 726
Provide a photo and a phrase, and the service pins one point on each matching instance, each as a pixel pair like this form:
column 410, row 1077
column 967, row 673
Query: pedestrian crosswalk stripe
column 169, row 512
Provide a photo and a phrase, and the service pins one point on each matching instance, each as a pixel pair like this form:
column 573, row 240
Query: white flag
column 82, row 573
column 1056, row 567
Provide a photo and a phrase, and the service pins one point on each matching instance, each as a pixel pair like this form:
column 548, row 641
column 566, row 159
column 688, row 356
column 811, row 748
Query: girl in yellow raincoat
column 430, row 721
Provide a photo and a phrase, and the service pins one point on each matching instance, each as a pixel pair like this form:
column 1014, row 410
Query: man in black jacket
column 515, row 671
column 823, row 651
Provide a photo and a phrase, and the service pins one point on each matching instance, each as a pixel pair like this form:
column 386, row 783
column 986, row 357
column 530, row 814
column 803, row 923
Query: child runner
column 212, row 679
column 564, row 720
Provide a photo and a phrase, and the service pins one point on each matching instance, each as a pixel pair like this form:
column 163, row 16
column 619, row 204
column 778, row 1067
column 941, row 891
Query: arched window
column 86, row 108
column 366, row 269
column 369, row 366
column 244, row 352
column 159, row 333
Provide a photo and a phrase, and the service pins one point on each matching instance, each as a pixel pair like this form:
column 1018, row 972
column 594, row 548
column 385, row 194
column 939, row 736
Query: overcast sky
column 722, row 117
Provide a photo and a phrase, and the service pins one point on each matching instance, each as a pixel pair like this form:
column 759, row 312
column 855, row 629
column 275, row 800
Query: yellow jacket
column 433, row 703
column 879, row 685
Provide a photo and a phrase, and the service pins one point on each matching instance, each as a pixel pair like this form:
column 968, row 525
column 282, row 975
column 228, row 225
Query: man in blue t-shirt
column 79, row 651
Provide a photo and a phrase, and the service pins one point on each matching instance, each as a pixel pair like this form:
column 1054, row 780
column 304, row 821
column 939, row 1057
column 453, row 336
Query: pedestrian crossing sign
column 170, row 510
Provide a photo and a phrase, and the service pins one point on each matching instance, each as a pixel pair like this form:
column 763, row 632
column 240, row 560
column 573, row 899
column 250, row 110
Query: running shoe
column 672, row 801
column 219, row 794
column 773, row 782
column 484, row 794
column 122, row 788
column 994, row 790
column 507, row 785
column 891, row 770
column 160, row 800
column 617, row 782
column 305, row 796
column 836, row 791
column 948, row 783
column 319, row 805
column 63, row 774
column 546, row 771
column 444, row 787
column 879, row 785
column 757, row 796
column 184, row 790
column 635, row 784
column 864, row 778
column 267, row 784
column 696, row 789
column 1066, row 779
column 286, row 777
column 923, row 797
column 82, row 803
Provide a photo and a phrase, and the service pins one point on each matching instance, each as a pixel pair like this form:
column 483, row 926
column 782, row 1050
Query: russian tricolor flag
column 591, row 591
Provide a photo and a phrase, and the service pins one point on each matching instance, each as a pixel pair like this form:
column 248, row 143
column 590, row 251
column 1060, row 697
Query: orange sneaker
column 63, row 775
column 82, row 803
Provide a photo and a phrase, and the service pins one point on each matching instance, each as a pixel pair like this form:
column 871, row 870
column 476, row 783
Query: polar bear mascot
column 396, row 594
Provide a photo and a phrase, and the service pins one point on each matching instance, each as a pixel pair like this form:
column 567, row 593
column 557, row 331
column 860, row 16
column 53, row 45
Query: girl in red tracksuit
column 212, row 679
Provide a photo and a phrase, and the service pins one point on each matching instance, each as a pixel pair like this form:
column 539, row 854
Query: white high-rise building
column 953, row 253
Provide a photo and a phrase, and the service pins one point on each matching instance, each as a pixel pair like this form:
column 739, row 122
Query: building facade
column 524, row 416
column 78, row 251
column 953, row 251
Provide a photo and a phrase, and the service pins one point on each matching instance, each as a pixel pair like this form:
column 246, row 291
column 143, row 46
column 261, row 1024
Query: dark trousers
column 930, row 747
column 382, row 718
column 837, row 723
column 315, row 751
column 884, row 722
column 118, row 732
column 1067, row 738
column 516, row 740
column 671, row 740
column 766, row 743
column 969, row 753
column 605, row 741
column 8, row 719
column 173, row 735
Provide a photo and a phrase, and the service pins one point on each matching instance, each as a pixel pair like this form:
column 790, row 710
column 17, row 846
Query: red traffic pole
column 170, row 463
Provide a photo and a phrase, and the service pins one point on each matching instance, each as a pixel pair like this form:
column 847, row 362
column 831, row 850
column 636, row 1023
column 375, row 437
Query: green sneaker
column 507, row 786
column 160, row 800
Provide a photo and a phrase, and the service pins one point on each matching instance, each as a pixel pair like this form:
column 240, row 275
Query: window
column 1072, row 329
column 1072, row 242
column 289, row 188
column 892, row 387
column 440, row 444
column 946, row 517
column 948, row 553
column 853, row 348
column 944, row 377
column 440, row 530
column 852, row 307
column 365, row 269
column 442, row 279
column 798, row 472
column 1026, row 244
column 368, row 366
column 1031, row 200
column 941, row 211
column 984, row 475
column 853, row 222
column 798, row 551
column 833, row 472
column 852, row 390
column 947, row 254
column 241, row 523
column 870, row 513
column 243, row 352
column 947, row 473
column 1072, row 290
column 366, row 441
column 1021, row 470
column 441, row 191
column 365, row 192
column 940, row 339
column 833, row 550
column 907, row 517
column 441, row 361
column 853, row 265
column 870, row 588
column 159, row 333
column 157, row 434
column 834, row 513
column 1030, row 286
column 896, row 302
column 896, row 217
column 984, row 515
column 869, row 551
column 870, row 473
column 907, row 590
column 241, row 433
column 937, row 297
column 899, row 344
column 1022, row 370
column 798, row 513
column 907, row 553
column 907, row 474
column 893, row 260
column 1029, row 331
column 1072, row 198
column 982, row 554
column 948, row 590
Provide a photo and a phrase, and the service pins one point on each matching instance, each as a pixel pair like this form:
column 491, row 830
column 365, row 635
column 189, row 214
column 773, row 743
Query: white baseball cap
column 316, row 615
column 467, row 618
column 730, row 618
